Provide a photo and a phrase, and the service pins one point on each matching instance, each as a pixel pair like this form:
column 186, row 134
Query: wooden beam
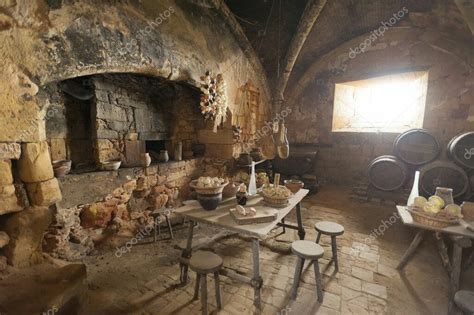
column 308, row 19
column 467, row 10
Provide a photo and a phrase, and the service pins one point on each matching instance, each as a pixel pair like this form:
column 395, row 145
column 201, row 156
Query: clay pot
column 145, row 159
column 178, row 151
column 209, row 202
column 294, row 185
column 164, row 157
column 241, row 198
column 230, row 190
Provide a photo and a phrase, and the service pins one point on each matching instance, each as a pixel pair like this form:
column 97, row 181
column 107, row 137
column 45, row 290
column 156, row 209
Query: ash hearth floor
column 144, row 280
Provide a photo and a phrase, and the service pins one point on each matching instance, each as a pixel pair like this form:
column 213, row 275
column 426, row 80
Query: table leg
column 455, row 273
column 411, row 250
column 257, row 280
column 470, row 261
column 187, row 254
column 443, row 252
column 301, row 232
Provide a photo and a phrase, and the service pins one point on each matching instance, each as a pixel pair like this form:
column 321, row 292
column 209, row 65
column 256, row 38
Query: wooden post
column 308, row 19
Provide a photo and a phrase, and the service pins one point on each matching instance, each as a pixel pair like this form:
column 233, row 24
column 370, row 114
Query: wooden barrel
column 387, row 173
column 461, row 150
column 443, row 174
column 416, row 147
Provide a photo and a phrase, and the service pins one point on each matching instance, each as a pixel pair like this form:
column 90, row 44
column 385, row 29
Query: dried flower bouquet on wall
column 213, row 103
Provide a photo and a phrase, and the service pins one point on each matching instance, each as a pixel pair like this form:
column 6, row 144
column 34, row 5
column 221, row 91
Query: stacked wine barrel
column 417, row 149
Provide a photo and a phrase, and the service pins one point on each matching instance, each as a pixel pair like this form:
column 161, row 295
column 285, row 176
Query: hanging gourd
column 213, row 103
column 281, row 143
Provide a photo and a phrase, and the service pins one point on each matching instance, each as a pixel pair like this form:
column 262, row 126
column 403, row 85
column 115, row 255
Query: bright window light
column 391, row 103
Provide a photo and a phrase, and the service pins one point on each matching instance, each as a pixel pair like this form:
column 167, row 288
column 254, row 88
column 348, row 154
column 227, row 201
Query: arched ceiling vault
column 270, row 25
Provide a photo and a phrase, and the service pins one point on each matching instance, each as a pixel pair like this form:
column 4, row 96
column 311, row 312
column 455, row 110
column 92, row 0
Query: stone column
column 36, row 171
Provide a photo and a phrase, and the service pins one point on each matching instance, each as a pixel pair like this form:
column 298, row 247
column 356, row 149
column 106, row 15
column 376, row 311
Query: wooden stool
column 307, row 250
column 465, row 301
column 332, row 229
column 203, row 262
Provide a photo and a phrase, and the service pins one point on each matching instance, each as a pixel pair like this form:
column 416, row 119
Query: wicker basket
column 430, row 220
column 277, row 202
column 207, row 190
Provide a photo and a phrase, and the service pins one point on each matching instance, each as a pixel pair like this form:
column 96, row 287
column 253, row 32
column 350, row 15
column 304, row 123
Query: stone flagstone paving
column 145, row 280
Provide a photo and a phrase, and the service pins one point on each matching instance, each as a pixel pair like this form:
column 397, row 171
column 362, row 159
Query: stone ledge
column 94, row 186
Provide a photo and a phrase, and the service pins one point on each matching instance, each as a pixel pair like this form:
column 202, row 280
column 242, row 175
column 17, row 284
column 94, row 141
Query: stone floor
column 144, row 280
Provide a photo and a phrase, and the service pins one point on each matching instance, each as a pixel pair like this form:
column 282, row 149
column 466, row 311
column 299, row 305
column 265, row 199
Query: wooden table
column 460, row 236
column 222, row 218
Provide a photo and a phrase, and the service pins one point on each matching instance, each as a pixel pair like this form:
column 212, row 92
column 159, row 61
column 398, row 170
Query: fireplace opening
column 118, row 117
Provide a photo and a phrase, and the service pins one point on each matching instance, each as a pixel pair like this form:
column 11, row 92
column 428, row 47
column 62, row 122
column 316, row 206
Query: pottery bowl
column 294, row 185
column 110, row 165
column 61, row 167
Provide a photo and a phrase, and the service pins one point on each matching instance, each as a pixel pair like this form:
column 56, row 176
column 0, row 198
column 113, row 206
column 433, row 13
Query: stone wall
column 46, row 42
column 129, row 110
column 91, row 217
column 344, row 157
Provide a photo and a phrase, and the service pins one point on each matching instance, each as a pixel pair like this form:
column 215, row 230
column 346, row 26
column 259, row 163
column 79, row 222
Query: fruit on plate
column 420, row 201
column 431, row 207
column 437, row 200
column 453, row 209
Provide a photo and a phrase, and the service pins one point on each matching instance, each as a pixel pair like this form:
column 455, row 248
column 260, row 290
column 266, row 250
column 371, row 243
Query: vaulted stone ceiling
column 261, row 19
column 339, row 22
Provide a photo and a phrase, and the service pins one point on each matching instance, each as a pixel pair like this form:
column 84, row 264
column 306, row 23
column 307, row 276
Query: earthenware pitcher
column 178, row 151
column 446, row 194
column 164, row 157
column 145, row 159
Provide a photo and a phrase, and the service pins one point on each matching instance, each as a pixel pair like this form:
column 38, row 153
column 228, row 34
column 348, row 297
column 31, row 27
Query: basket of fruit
column 208, row 185
column 434, row 213
column 276, row 196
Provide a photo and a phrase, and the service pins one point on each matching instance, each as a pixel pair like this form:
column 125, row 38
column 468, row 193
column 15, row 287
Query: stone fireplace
column 92, row 90
column 110, row 117
column 118, row 117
